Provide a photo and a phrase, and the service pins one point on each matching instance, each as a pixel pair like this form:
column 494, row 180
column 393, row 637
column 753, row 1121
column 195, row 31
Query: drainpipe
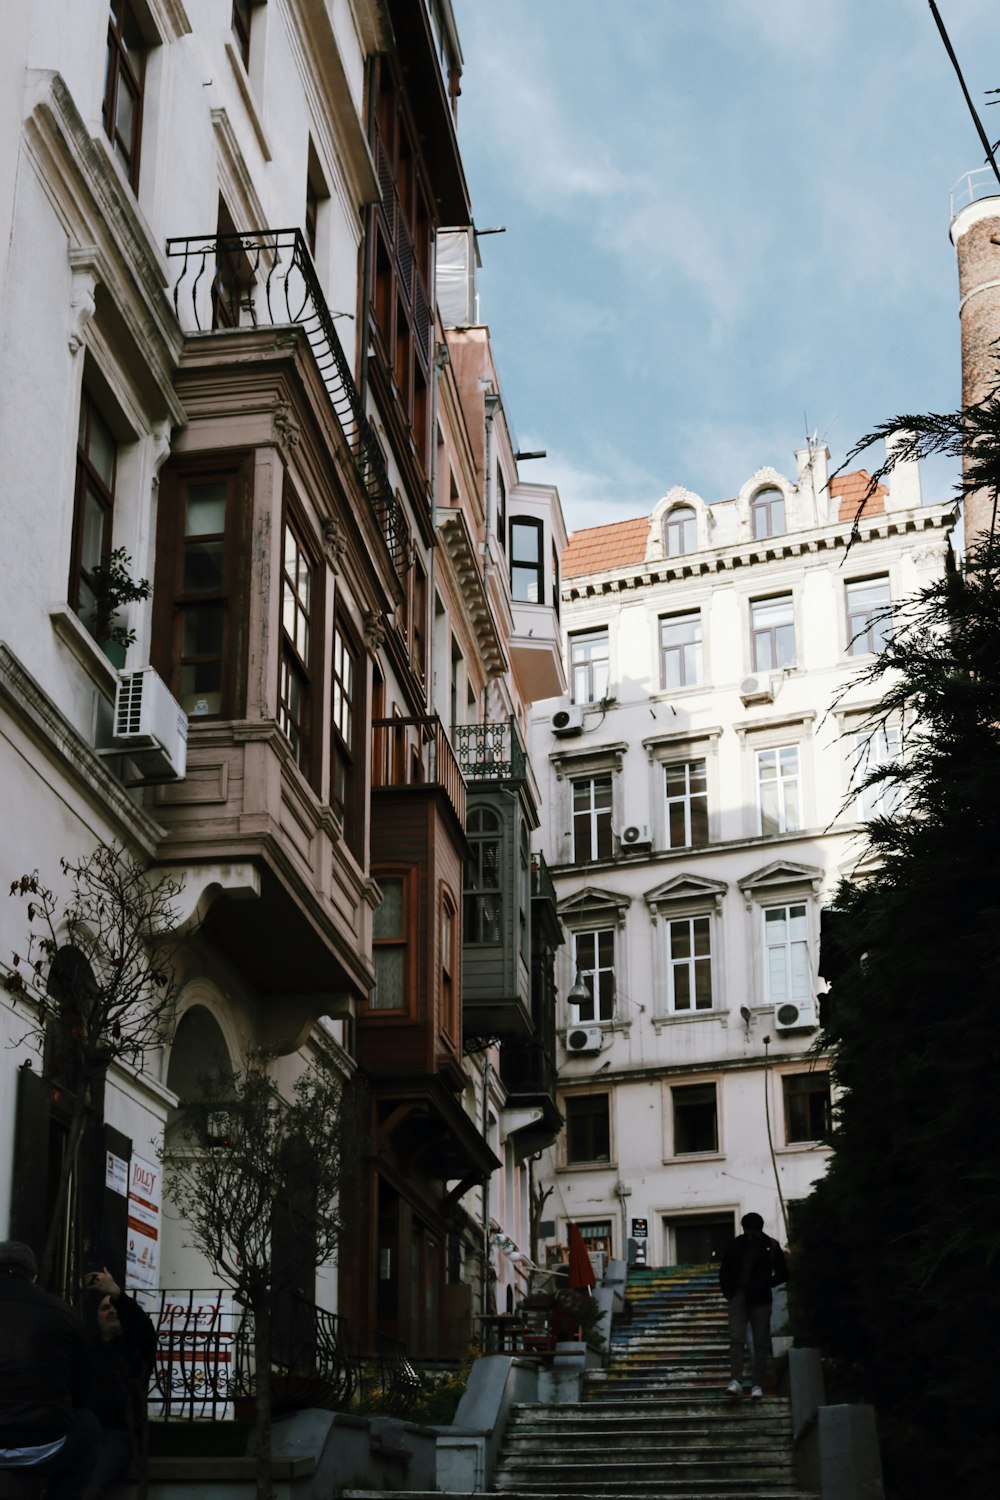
column 367, row 241
column 622, row 1193
column 486, row 1189
column 492, row 402
column 441, row 361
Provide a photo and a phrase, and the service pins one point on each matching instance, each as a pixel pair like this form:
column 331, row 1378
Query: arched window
column 200, row 1068
column 483, row 917
column 767, row 513
column 680, row 531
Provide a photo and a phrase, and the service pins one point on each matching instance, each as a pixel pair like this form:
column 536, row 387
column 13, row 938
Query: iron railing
column 266, row 277
column 416, row 752
column 490, row 752
column 388, row 1382
column 205, row 1356
column 970, row 187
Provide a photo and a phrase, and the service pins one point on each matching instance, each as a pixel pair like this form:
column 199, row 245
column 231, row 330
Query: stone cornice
column 96, row 209
column 45, row 723
column 459, row 547
column 733, row 558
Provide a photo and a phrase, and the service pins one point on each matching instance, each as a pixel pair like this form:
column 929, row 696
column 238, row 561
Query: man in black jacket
column 123, row 1349
column 751, row 1265
column 44, row 1432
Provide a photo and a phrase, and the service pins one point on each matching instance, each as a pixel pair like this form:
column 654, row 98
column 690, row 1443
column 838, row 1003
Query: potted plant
column 112, row 586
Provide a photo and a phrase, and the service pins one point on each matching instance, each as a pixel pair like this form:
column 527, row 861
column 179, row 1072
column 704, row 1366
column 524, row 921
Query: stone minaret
column 975, row 233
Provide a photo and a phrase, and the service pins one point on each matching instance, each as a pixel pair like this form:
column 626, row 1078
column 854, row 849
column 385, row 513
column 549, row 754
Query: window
column 690, row 982
column 594, row 956
column 389, row 951
column 767, row 513
column 526, row 561
column 298, row 575
column 124, row 73
column 778, row 791
column 592, row 819
column 872, row 750
column 808, row 1115
column 680, row 651
column 680, row 532
column 588, row 664
column 242, row 17
column 772, row 630
column 317, row 194
column 418, row 613
column 555, row 578
column 232, row 286
column 93, row 506
column 202, row 602
column 786, row 943
column 344, row 683
column 696, row 1119
column 868, row 615
column 588, row 1128
column 483, row 918
column 449, row 966
column 501, row 509
column 687, row 804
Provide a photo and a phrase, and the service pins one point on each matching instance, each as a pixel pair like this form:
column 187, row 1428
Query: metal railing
column 490, row 752
column 416, row 752
column 205, row 1356
column 388, row 1382
column 275, row 284
column 970, row 187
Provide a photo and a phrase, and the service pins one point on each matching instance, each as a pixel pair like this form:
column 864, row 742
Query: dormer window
column 680, row 532
column 767, row 513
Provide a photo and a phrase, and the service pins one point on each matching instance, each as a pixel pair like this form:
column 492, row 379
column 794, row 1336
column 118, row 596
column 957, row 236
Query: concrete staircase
column 656, row 1421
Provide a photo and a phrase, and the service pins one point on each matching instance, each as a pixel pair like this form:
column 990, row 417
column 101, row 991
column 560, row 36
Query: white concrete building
column 698, row 813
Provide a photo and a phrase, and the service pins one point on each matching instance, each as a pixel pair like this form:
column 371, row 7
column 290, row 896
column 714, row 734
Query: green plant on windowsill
column 112, row 586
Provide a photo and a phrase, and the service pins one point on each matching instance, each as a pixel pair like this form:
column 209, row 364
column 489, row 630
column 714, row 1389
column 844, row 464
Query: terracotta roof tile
column 849, row 490
column 597, row 549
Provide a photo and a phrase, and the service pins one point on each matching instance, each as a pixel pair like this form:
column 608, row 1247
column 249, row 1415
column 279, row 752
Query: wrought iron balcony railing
column 266, row 277
column 416, row 752
column 490, row 752
column 205, row 1356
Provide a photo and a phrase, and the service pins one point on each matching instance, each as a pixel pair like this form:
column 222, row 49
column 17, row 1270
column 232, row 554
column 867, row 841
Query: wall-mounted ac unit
column 567, row 721
column 796, row 1015
column 150, row 726
column 635, row 838
column 582, row 1039
column 757, row 690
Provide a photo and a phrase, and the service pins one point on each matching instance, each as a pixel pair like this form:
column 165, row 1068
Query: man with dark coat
column 45, row 1432
column 122, row 1353
column 752, row 1264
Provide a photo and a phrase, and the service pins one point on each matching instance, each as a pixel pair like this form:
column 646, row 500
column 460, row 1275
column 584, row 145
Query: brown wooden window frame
column 90, row 484
column 120, row 71
column 450, row 973
column 406, row 941
column 347, row 716
column 293, row 665
column 171, row 599
column 588, row 1129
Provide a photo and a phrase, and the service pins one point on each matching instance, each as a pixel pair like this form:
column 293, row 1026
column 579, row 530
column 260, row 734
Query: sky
column 726, row 226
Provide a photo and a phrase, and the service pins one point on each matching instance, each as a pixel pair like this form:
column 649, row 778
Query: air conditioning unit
column 150, row 726
column 636, row 837
column 567, row 721
column 757, row 690
column 796, row 1015
column 583, row 1039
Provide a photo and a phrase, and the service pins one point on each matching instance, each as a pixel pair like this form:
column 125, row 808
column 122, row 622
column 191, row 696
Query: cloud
column 804, row 29
column 610, row 488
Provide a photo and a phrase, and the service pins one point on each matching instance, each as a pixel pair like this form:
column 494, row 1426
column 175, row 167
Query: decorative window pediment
column 588, row 758
column 687, row 890
column 765, row 480
column 781, row 876
column 679, row 502
column 592, row 903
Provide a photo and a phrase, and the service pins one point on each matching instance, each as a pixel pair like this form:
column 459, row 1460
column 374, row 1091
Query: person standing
column 122, row 1353
column 46, row 1433
column 751, row 1265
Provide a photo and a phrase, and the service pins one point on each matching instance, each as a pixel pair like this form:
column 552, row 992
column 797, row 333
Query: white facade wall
column 812, row 707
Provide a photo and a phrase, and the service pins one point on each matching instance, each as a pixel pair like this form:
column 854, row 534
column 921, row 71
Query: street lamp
column 579, row 994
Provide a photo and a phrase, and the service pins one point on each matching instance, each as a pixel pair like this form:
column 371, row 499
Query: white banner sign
column 145, row 1199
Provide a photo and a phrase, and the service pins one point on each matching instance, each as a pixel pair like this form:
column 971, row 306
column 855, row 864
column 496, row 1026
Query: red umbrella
column 581, row 1272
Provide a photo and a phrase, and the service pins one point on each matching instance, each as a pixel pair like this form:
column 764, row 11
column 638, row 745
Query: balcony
column 265, row 277
column 409, row 753
column 490, row 752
